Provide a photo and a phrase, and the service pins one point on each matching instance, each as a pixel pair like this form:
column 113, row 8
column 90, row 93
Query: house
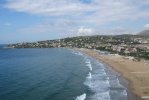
column 131, row 50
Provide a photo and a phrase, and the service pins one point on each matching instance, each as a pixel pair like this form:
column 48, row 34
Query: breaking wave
column 81, row 97
column 88, row 63
column 105, row 86
column 77, row 53
column 102, row 83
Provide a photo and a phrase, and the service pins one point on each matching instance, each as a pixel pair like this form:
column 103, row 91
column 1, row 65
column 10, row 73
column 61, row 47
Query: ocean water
column 56, row 74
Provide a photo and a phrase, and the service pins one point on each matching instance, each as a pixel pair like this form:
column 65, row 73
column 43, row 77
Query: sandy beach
column 137, row 73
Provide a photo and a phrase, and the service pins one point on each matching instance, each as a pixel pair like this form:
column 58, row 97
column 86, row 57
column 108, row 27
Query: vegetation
column 127, row 45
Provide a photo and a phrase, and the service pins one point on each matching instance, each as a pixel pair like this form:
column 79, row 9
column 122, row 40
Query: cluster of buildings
column 125, row 45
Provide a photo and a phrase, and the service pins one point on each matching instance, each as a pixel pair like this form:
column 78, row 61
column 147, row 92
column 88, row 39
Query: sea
column 56, row 74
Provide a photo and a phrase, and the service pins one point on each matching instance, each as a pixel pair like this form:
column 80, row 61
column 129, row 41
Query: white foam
column 100, row 82
column 78, row 53
column 101, row 72
column 118, row 82
column 89, row 75
column 87, row 61
column 90, row 67
column 124, row 93
column 97, row 83
column 101, row 96
column 100, row 86
column 81, row 97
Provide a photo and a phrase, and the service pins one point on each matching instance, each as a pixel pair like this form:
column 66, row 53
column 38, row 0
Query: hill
column 144, row 33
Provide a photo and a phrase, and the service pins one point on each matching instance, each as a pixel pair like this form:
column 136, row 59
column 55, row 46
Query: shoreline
column 125, row 82
column 133, row 75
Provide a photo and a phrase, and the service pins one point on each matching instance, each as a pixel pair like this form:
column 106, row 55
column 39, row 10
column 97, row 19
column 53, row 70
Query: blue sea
column 56, row 74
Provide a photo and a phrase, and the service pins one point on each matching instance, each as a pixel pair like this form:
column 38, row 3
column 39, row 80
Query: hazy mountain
column 144, row 33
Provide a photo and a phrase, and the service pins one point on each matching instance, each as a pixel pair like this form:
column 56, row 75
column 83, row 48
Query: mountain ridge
column 144, row 33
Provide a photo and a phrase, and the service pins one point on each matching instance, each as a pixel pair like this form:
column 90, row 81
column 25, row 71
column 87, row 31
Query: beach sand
column 137, row 73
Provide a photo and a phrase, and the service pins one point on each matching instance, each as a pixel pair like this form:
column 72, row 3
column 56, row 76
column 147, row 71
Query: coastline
column 135, row 73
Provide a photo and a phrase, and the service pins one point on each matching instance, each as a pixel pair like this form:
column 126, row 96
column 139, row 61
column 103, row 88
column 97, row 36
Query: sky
column 33, row 20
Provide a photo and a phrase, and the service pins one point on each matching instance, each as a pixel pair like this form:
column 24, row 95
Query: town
column 128, row 45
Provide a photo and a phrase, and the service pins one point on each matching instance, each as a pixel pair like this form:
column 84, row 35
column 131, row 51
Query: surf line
column 89, row 75
column 81, row 97
column 88, row 63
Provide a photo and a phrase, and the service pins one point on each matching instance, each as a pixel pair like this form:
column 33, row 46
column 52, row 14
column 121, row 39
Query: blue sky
column 32, row 20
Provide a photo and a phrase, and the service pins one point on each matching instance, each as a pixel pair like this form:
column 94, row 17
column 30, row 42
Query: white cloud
column 82, row 31
column 61, row 26
column 104, row 10
column 48, row 7
column 52, row 6
column 75, row 14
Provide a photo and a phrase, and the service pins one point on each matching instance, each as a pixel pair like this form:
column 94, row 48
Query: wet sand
column 137, row 73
